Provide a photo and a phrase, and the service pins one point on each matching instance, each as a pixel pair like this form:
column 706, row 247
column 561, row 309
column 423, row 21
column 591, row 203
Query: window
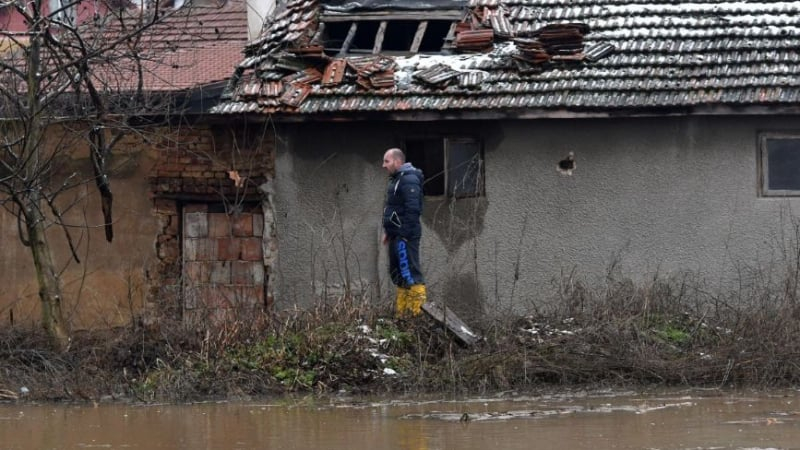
column 396, row 32
column 453, row 166
column 780, row 164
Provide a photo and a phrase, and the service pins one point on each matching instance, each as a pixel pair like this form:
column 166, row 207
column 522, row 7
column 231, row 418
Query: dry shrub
column 666, row 330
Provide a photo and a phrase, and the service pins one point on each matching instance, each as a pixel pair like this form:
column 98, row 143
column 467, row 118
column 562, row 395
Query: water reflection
column 693, row 420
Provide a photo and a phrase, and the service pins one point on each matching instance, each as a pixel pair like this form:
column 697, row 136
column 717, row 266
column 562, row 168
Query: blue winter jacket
column 404, row 203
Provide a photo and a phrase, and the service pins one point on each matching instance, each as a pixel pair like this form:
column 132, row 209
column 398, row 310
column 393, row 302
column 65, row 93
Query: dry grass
column 667, row 331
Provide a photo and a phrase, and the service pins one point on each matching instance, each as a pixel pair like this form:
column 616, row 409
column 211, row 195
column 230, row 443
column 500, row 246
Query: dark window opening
column 464, row 168
column 364, row 40
column 376, row 36
column 336, row 33
column 780, row 165
column 428, row 155
column 567, row 165
column 399, row 35
column 453, row 167
column 435, row 34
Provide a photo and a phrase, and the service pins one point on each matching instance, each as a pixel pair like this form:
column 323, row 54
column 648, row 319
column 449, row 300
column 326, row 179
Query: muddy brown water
column 600, row 420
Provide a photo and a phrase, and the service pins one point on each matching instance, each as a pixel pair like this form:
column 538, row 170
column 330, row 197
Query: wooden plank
column 448, row 318
column 351, row 33
column 318, row 35
column 418, row 36
column 379, row 38
column 451, row 36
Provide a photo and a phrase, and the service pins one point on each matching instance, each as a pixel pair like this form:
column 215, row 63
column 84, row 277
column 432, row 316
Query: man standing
column 402, row 231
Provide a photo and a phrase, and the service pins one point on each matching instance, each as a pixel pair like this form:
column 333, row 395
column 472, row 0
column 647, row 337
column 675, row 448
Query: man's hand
column 385, row 239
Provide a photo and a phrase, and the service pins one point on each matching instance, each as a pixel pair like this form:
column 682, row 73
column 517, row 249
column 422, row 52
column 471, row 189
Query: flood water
column 603, row 420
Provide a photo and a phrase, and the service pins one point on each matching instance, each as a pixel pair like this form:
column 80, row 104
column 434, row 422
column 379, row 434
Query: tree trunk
column 49, row 283
column 32, row 202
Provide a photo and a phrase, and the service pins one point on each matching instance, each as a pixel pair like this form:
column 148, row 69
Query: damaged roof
column 510, row 56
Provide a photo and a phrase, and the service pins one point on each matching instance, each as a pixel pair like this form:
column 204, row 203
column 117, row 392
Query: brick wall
column 215, row 244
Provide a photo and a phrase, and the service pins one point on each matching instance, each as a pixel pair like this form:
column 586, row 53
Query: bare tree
column 61, row 72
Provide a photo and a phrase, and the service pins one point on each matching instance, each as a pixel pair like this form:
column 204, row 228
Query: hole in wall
column 567, row 165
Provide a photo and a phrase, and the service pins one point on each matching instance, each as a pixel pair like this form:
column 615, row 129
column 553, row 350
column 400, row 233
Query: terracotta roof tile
column 558, row 54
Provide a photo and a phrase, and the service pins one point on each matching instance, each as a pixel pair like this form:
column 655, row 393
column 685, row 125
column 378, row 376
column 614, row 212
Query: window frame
column 446, row 141
column 763, row 163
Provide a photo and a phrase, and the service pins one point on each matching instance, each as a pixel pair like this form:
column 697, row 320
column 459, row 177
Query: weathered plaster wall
column 664, row 195
column 108, row 284
column 156, row 174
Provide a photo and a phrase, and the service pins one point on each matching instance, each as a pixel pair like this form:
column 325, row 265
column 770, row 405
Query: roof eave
column 530, row 114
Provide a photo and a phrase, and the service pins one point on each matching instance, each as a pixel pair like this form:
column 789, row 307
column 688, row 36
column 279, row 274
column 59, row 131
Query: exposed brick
column 195, row 225
column 219, row 297
column 208, row 297
column 195, row 272
column 251, row 249
column 247, row 272
column 189, row 162
column 228, row 249
column 248, row 296
column 196, row 168
column 220, row 272
column 162, row 206
column 198, row 250
column 167, row 251
column 196, row 207
column 242, row 225
column 170, row 167
column 192, row 296
column 219, row 225
column 172, row 226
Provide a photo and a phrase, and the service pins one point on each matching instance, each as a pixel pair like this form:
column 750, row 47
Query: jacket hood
column 408, row 167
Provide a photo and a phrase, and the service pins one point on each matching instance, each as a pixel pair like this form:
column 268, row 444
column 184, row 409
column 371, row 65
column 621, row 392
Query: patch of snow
column 383, row 358
column 406, row 66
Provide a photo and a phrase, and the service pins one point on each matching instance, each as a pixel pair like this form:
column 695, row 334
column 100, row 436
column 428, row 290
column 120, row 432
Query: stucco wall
column 654, row 195
column 109, row 283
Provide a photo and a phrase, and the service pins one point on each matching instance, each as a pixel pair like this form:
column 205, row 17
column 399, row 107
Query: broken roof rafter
column 386, row 36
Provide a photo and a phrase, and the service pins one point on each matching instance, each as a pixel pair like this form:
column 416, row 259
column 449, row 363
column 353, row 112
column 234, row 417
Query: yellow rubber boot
column 417, row 295
column 402, row 301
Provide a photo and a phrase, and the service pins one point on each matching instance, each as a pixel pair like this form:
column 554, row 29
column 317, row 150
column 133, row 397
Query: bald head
column 393, row 159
